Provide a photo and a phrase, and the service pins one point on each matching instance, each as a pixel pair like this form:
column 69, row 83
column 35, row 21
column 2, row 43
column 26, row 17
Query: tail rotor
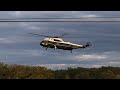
column 87, row 44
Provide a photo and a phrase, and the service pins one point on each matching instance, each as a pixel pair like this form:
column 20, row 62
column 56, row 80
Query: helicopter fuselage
column 58, row 43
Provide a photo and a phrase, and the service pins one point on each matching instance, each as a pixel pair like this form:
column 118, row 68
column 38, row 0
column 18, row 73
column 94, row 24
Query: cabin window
column 57, row 40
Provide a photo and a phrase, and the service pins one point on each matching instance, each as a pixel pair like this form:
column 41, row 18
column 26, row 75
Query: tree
column 67, row 76
column 107, row 75
column 82, row 75
column 117, row 77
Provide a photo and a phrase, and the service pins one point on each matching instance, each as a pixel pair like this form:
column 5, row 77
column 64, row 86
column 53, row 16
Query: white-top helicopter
column 58, row 43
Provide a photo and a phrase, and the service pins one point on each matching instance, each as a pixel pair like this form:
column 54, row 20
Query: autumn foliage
column 37, row 72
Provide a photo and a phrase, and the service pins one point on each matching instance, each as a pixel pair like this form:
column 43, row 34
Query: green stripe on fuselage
column 60, row 44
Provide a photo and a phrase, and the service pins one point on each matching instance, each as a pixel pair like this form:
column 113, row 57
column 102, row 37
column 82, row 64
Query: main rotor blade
column 39, row 35
column 71, row 37
column 63, row 34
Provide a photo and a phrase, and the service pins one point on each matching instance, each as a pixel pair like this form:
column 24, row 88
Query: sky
column 18, row 47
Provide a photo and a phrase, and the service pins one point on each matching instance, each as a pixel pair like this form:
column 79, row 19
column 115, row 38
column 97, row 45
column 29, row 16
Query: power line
column 57, row 21
column 60, row 18
column 81, row 19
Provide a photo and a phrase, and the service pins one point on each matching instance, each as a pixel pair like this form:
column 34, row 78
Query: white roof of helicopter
column 52, row 39
column 61, row 40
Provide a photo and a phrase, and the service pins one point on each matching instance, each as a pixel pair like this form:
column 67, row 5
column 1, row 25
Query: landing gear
column 71, row 51
column 46, row 48
column 55, row 47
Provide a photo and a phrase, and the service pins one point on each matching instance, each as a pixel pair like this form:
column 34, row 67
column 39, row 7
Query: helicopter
column 57, row 42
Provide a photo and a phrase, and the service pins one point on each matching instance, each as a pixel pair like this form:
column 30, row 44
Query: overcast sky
column 17, row 47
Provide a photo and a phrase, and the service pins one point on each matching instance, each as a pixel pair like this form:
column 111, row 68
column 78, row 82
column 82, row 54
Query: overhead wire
column 81, row 19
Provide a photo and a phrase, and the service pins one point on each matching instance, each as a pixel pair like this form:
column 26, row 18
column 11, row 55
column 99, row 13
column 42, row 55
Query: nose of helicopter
column 42, row 43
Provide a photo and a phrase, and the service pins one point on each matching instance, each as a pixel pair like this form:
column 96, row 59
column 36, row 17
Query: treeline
column 37, row 72
column 89, row 73
column 24, row 72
